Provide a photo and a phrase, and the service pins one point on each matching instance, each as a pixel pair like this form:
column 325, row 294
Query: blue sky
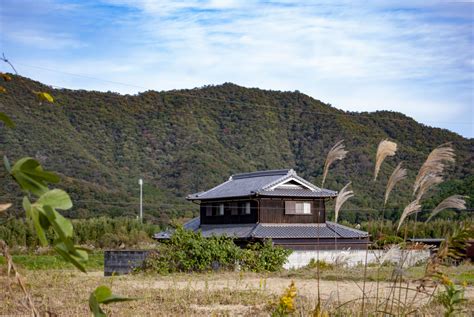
column 414, row 57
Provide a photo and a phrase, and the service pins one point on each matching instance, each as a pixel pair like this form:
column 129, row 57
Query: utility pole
column 140, row 182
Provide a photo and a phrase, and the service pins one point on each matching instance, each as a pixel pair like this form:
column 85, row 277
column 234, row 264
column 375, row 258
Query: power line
column 127, row 203
column 174, row 92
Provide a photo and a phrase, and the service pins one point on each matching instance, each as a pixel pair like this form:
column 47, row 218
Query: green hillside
column 185, row 141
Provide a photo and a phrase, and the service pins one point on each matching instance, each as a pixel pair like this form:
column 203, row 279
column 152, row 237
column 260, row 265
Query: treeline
column 434, row 229
column 100, row 232
column 105, row 232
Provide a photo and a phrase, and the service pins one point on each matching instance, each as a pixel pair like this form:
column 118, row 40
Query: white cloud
column 42, row 40
column 410, row 57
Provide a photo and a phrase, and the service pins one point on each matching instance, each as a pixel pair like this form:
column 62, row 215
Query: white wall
column 354, row 257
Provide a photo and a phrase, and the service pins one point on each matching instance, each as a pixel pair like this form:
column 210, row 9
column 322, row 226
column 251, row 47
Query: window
column 297, row 207
column 221, row 210
column 208, row 209
column 247, row 208
column 234, row 209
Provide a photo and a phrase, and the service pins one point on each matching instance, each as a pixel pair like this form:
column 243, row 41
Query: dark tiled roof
column 323, row 230
column 192, row 224
column 298, row 193
column 262, row 183
column 236, row 231
column 429, row 241
column 230, row 230
column 274, row 231
column 163, row 235
column 283, row 231
column 346, row 232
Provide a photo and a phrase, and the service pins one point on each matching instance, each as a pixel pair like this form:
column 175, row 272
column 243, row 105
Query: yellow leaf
column 44, row 96
column 6, row 77
column 3, row 90
column 4, row 207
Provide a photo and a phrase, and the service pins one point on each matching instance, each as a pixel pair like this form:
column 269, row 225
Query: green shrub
column 387, row 240
column 189, row 251
column 452, row 298
column 258, row 257
column 323, row 265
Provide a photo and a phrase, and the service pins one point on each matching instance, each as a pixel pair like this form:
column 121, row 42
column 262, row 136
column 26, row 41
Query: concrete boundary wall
column 124, row 261
column 121, row 262
column 356, row 257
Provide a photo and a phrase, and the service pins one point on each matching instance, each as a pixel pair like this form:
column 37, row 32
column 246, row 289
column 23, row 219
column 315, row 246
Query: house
column 277, row 205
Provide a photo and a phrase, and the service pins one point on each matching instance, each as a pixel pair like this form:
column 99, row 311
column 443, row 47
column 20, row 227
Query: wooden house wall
column 272, row 210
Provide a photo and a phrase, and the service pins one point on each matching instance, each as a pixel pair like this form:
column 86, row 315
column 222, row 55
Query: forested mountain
column 184, row 141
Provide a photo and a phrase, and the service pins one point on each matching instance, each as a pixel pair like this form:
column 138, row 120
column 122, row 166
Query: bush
column 189, row 251
column 258, row 257
column 387, row 240
column 323, row 265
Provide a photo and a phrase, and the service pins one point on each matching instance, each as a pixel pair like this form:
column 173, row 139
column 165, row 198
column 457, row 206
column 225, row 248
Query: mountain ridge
column 189, row 140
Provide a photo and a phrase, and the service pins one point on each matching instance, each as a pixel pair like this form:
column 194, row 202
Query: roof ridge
column 322, row 224
column 261, row 173
column 292, row 174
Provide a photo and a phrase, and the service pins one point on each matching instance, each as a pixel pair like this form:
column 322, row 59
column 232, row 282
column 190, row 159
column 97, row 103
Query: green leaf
column 27, row 206
column 61, row 225
column 33, row 214
column 6, row 162
column 75, row 259
column 33, row 167
column 103, row 295
column 116, row 298
column 31, row 177
column 56, row 198
column 94, row 306
column 6, row 119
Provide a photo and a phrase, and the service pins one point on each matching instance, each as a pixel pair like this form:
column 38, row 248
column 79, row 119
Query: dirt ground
column 65, row 293
column 328, row 289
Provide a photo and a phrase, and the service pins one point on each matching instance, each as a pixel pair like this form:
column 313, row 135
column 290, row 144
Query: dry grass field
column 65, row 292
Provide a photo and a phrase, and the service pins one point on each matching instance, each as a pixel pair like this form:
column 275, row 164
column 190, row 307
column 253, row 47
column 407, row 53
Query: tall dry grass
column 398, row 301
column 410, row 209
column 341, row 198
column 337, row 152
column 452, row 202
column 11, row 268
column 398, row 174
column 385, row 148
column 434, row 164
column 428, row 181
